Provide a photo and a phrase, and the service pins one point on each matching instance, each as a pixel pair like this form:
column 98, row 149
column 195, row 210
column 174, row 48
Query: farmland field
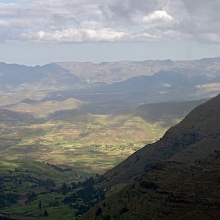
column 87, row 143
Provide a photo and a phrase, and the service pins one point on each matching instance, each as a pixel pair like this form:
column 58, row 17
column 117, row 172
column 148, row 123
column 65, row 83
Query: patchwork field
column 87, row 143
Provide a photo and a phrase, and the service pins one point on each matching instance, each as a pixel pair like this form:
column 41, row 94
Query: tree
column 46, row 213
column 40, row 205
column 98, row 212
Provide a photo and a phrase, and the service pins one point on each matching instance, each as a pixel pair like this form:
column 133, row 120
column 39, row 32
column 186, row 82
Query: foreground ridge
column 168, row 179
column 194, row 137
column 168, row 190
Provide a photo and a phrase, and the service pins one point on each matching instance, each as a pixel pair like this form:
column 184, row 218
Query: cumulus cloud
column 158, row 16
column 110, row 20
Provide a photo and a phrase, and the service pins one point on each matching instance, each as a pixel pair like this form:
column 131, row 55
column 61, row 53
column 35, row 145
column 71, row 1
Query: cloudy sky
column 37, row 31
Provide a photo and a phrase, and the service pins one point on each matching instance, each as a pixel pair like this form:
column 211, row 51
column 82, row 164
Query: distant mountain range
column 135, row 82
column 175, row 178
column 110, row 72
column 18, row 78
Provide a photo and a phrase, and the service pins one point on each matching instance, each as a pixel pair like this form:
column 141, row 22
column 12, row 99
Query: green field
column 35, row 179
column 88, row 143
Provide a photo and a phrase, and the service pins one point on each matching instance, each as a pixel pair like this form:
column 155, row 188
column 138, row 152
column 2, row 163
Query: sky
column 36, row 32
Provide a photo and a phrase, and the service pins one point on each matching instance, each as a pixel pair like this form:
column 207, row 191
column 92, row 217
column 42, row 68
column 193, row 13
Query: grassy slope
column 186, row 141
column 169, row 190
column 25, row 177
column 35, row 169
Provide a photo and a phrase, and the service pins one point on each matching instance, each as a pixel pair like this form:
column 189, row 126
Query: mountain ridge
column 168, row 190
column 176, row 177
column 140, row 82
column 189, row 135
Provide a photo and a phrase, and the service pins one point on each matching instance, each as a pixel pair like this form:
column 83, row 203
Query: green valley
column 87, row 143
column 73, row 135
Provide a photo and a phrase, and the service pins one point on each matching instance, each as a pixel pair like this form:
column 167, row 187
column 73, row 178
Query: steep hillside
column 174, row 178
column 195, row 137
column 168, row 190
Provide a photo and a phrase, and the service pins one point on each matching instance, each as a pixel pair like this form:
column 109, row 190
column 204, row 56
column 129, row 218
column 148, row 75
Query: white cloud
column 77, row 35
column 158, row 16
column 110, row 20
